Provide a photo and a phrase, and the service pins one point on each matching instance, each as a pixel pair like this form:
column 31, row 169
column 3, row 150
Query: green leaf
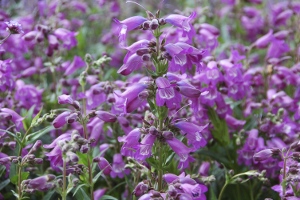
column 97, row 176
column 152, row 106
column 34, row 120
column 49, row 195
column 12, row 134
column 13, row 170
column 108, row 197
column 83, row 158
column 78, row 187
column 81, row 194
column 220, row 131
column 14, row 179
column 15, row 194
column 28, row 117
column 212, row 194
column 152, row 162
column 169, row 159
column 2, row 169
column 36, row 135
column 4, row 183
column 215, row 156
column 111, row 73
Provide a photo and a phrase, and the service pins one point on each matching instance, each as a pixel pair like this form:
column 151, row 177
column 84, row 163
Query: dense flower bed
column 150, row 100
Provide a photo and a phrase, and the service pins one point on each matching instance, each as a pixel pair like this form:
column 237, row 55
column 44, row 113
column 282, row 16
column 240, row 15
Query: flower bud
column 65, row 99
column 12, row 145
column 172, row 191
column 146, row 57
column 146, row 25
column 60, row 120
column 168, row 135
column 140, row 189
column 105, row 166
column 36, row 145
column 111, row 98
column 153, row 131
column 106, row 116
column 142, row 51
column 154, row 24
column 72, row 118
column 38, row 161
column 71, row 157
column 143, row 95
column 84, row 149
column 264, row 40
column 263, row 155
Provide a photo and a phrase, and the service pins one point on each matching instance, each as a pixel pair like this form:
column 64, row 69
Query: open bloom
column 166, row 94
column 128, row 25
column 182, row 22
column 193, row 133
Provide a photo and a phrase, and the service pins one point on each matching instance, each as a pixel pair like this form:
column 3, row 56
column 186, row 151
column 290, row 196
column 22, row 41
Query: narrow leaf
column 36, row 135
column 4, row 183
column 49, row 195
column 34, row 120
column 107, row 197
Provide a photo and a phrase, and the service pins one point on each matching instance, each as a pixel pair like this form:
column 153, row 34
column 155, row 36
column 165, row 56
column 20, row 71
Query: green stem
column 283, row 183
column 19, row 182
column 222, row 191
column 88, row 153
column 64, row 193
column 19, row 166
column 160, row 170
column 251, row 190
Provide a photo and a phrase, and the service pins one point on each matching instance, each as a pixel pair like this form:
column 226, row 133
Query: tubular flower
column 128, row 25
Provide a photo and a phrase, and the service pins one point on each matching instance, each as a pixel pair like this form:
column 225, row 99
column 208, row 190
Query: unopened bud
column 154, row 24
column 168, row 135
column 38, row 161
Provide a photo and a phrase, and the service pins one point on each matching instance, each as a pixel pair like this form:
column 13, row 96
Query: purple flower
column 128, row 101
column 99, row 193
column 67, row 37
column 166, row 94
column 55, row 155
column 39, row 182
column 14, row 27
column 28, row 95
column 106, row 116
column 104, row 165
column 65, row 99
column 61, row 119
column 140, row 189
column 188, row 90
column 193, row 133
column 234, row 123
column 179, row 148
column 7, row 82
column 204, row 169
column 128, row 25
column 75, row 64
column 264, row 154
column 133, row 63
column 145, row 148
column 183, row 56
column 131, row 143
column 118, row 167
column 182, row 22
column 5, row 161
column 15, row 117
column 264, row 40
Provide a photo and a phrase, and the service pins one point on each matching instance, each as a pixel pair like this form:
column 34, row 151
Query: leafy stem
column 64, row 192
